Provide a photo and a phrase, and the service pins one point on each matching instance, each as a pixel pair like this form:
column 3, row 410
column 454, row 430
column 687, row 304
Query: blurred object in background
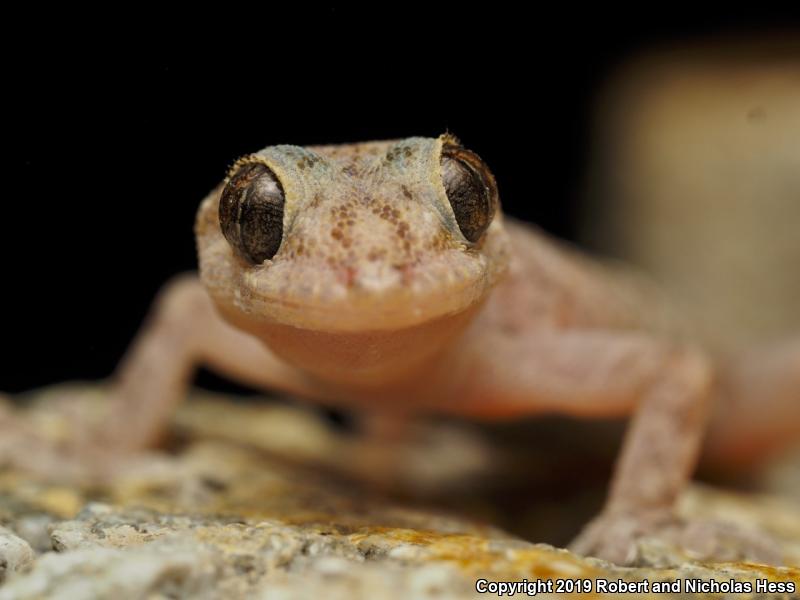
column 696, row 179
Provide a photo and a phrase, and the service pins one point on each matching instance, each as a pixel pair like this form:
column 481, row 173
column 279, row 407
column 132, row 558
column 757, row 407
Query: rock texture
column 15, row 553
column 246, row 506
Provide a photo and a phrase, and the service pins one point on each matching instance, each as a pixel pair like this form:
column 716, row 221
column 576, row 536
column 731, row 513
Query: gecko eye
column 471, row 190
column 251, row 213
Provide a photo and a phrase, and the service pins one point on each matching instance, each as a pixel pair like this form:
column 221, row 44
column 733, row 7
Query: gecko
column 382, row 277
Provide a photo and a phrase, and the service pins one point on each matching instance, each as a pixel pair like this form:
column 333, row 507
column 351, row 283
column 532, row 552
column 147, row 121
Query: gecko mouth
column 360, row 346
column 383, row 298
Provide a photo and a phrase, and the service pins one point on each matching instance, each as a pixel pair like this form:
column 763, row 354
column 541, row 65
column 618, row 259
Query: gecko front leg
column 599, row 373
column 658, row 456
column 185, row 331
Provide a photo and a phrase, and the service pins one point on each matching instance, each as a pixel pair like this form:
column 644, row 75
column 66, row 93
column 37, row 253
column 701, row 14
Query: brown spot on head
column 376, row 254
column 402, row 229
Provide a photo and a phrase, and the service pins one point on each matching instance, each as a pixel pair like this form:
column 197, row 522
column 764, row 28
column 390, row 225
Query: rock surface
column 235, row 510
column 15, row 553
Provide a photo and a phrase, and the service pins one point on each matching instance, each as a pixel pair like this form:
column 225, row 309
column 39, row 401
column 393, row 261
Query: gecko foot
column 619, row 537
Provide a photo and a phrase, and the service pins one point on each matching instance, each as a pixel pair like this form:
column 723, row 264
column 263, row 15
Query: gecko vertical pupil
column 471, row 191
column 251, row 213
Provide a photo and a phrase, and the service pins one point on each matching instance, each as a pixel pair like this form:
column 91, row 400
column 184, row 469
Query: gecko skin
column 383, row 277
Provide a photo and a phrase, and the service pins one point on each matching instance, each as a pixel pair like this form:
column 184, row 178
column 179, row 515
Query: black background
column 115, row 129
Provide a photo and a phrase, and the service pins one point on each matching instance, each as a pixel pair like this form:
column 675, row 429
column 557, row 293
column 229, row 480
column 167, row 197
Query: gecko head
column 375, row 253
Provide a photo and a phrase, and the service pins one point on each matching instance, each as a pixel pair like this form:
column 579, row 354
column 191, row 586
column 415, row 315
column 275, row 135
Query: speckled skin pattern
column 370, row 242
